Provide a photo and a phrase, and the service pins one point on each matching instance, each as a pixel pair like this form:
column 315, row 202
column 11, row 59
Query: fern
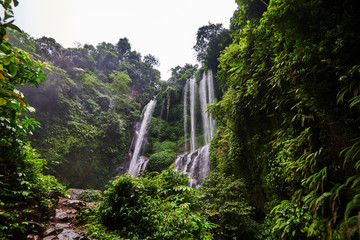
column 351, row 153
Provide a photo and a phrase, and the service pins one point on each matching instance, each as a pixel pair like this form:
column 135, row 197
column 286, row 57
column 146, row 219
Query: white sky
column 164, row 28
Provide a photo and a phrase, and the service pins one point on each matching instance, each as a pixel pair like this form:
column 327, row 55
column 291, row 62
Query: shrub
column 157, row 206
column 164, row 146
column 223, row 201
column 159, row 161
column 90, row 195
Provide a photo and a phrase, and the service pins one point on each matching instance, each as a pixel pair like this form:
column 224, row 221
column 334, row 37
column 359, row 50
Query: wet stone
column 33, row 237
column 49, row 231
column 69, row 234
column 76, row 204
column 74, row 194
column 52, row 237
column 61, row 215
column 59, row 226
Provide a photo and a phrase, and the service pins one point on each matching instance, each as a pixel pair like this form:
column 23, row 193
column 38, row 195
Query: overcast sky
column 164, row 28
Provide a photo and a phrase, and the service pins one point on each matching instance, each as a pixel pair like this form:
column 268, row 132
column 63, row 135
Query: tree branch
column 266, row 4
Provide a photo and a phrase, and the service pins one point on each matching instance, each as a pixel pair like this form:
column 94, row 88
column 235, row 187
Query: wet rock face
column 74, row 194
column 61, row 223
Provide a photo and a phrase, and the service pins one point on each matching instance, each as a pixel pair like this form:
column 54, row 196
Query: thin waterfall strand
column 207, row 96
column 192, row 112
column 211, row 98
column 137, row 163
column 203, row 102
column 186, row 91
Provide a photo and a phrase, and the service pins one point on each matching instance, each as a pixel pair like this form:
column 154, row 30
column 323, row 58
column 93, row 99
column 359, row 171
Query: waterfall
column 196, row 164
column 138, row 162
column 206, row 93
column 192, row 113
column 211, row 98
column 186, row 91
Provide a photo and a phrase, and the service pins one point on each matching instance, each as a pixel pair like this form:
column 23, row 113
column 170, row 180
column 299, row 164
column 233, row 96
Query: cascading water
column 211, row 98
column 206, row 93
column 138, row 162
column 196, row 163
column 186, row 91
column 192, row 84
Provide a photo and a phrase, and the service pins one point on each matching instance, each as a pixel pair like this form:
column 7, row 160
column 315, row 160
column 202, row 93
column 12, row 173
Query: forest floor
column 62, row 223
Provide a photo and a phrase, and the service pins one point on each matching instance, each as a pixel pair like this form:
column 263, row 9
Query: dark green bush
column 159, row 161
column 223, row 201
column 90, row 195
column 164, row 146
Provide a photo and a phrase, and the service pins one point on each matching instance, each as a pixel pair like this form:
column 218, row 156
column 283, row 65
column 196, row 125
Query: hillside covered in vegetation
column 88, row 105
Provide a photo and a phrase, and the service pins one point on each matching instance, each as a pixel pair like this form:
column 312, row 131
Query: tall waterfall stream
column 196, row 164
column 138, row 162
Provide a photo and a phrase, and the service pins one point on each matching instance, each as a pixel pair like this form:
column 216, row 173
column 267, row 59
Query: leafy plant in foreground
column 22, row 184
column 157, row 206
column 223, row 201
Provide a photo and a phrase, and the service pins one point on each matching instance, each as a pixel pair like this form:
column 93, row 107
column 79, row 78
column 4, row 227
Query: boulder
column 75, row 204
column 74, row 193
column 53, row 194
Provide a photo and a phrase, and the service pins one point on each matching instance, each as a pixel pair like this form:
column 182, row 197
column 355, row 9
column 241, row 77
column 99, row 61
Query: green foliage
column 151, row 61
column 23, row 185
column 179, row 75
column 79, row 130
column 120, row 81
column 90, row 195
column 163, row 136
column 160, row 161
column 296, row 221
column 223, row 201
column 88, row 218
column 158, row 128
column 21, row 40
column 99, row 231
column 94, row 96
column 167, row 126
column 123, row 47
column 158, row 206
column 164, row 146
column 289, row 114
column 210, row 41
